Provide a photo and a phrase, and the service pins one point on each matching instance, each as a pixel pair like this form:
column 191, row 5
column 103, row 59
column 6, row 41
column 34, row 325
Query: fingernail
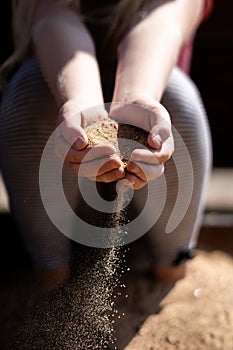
column 157, row 140
column 131, row 166
column 80, row 143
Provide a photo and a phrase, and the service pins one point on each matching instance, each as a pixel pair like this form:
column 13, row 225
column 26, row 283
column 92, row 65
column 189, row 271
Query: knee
column 184, row 103
column 26, row 96
column 182, row 99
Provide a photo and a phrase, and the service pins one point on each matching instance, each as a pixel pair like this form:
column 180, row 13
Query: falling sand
column 81, row 314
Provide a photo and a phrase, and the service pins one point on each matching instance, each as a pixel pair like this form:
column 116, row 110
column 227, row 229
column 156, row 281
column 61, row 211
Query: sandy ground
column 197, row 313
column 194, row 314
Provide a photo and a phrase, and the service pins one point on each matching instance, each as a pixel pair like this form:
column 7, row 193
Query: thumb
column 69, row 126
column 158, row 135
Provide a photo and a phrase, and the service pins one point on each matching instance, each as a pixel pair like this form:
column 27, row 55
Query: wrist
column 133, row 96
column 128, row 87
column 83, row 104
column 68, row 110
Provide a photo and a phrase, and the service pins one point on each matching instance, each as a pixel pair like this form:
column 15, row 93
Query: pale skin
column 73, row 76
column 141, row 77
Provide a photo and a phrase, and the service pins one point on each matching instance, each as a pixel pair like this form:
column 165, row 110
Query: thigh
column 28, row 103
column 27, row 119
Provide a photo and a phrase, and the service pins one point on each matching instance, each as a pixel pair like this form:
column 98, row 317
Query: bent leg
column 186, row 175
column 28, row 117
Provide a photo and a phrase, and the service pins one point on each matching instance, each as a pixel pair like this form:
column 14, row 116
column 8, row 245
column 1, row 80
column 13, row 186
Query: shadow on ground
column 30, row 320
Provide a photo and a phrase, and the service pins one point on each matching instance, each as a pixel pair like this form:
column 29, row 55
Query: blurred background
column 212, row 71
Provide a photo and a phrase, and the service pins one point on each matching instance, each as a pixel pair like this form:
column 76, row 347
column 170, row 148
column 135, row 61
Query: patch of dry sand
column 197, row 314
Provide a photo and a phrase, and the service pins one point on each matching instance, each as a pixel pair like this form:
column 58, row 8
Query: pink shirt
column 184, row 61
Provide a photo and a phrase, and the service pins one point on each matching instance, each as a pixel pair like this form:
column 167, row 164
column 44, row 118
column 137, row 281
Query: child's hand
column 146, row 164
column 99, row 162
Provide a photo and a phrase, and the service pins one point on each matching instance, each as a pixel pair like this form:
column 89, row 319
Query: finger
column 91, row 153
column 146, row 172
column 111, row 176
column 158, row 135
column 113, row 164
column 145, row 156
column 165, row 152
column 73, row 133
column 95, row 167
column 152, row 156
column 136, row 182
column 69, row 154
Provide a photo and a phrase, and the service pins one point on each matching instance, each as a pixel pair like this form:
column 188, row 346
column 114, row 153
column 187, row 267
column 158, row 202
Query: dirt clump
column 124, row 137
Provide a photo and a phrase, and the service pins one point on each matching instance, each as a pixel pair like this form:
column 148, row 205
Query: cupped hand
column 98, row 163
column 146, row 164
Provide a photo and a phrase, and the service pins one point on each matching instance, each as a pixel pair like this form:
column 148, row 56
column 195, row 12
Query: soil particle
column 124, row 137
column 186, row 322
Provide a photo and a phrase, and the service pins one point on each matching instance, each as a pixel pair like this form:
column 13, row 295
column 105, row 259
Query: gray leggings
column 28, row 116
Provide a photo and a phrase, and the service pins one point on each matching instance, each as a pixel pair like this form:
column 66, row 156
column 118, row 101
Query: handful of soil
column 124, row 137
